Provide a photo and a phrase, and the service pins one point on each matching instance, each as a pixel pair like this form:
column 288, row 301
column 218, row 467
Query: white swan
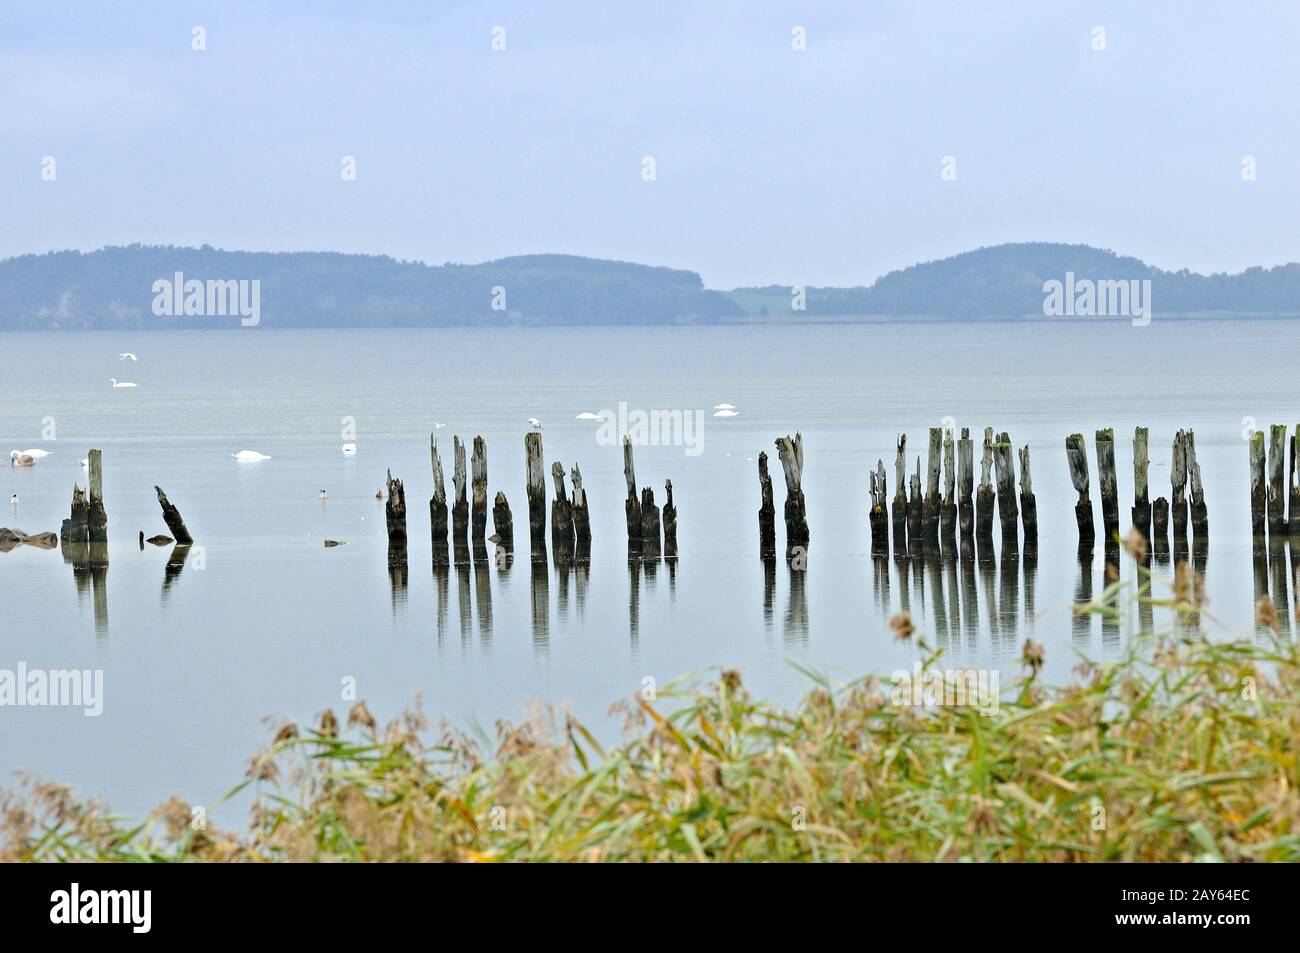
column 34, row 454
column 22, row 459
column 724, row 406
column 588, row 415
column 535, row 423
column 250, row 456
column 127, row 356
column 349, row 449
column 119, row 384
column 724, row 413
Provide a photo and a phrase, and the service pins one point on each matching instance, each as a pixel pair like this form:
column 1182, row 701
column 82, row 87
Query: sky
column 771, row 165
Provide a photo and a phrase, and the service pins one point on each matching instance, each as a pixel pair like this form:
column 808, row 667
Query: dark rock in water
column 331, row 543
column 160, row 540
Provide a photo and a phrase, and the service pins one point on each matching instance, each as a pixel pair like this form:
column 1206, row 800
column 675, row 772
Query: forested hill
column 114, row 288
column 1007, row 280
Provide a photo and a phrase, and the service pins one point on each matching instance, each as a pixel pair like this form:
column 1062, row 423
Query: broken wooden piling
column 766, row 512
column 1108, row 484
column 460, row 502
column 76, row 528
column 650, row 549
column 562, row 534
column 395, row 519
column 934, row 463
column 984, row 496
column 1276, row 498
column 900, row 497
column 1141, row 466
column 479, row 482
column 1200, row 515
column 581, row 516
column 97, row 520
column 879, row 515
column 1293, row 482
column 948, row 506
column 503, row 523
column 1076, row 455
column 966, row 485
column 438, row 507
column 1178, row 481
column 790, row 452
column 632, row 507
column 915, row 512
column 670, row 522
column 536, row 494
column 1028, row 504
column 172, row 517
column 1258, row 484
column 1008, row 513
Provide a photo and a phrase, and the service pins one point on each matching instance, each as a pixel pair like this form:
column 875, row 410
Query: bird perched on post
column 535, row 423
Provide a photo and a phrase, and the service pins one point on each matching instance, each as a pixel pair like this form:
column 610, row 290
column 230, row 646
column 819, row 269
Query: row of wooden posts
column 1268, row 492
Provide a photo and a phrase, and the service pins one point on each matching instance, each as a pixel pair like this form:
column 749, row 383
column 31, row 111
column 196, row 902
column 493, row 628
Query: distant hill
column 1007, row 281
column 114, row 288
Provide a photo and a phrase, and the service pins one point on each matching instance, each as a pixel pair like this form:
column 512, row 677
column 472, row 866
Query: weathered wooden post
column 562, row 535
column 1200, row 516
column 900, row 497
column 984, row 497
column 1108, row 483
column 395, row 517
column 948, row 508
column 97, row 521
column 790, row 452
column 1276, row 473
column 766, row 512
column 1141, row 466
column 479, row 481
column 915, row 511
column 76, row 528
column 438, row 507
column 1076, row 454
column 879, row 516
column 670, row 522
column 934, row 462
column 632, row 508
column 966, row 484
column 536, row 494
column 460, row 502
column 503, row 523
column 1258, row 493
column 1008, row 514
column 649, row 525
column 1178, row 479
column 172, row 517
column 581, row 517
column 1294, row 486
column 1028, row 505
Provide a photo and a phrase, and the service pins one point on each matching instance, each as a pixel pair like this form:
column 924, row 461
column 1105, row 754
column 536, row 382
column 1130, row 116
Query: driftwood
column 479, row 483
column 966, row 485
column 879, row 515
column 1108, row 484
column 790, row 452
column 900, row 497
column 562, row 535
column 1258, row 483
column 581, row 517
column 632, row 507
column 766, row 512
column 1141, row 467
column 172, row 517
column 536, row 494
column 670, row 522
column 984, row 496
column 1008, row 513
column 1076, row 455
column 649, row 525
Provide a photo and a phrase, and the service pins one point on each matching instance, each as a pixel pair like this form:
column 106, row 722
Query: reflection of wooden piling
column 1258, row 483
column 460, row 502
column 879, row 516
column 1141, row 466
column 649, row 525
column 1178, row 481
column 1077, row 458
column 948, row 508
column 934, row 463
column 670, row 522
column 1008, row 513
column 766, row 513
column 900, row 498
column 1200, row 516
column 966, row 485
column 479, row 482
column 790, row 452
column 1108, row 484
column 172, row 517
column 97, row 521
column 1276, row 499
column 395, row 517
column 503, row 523
column 581, row 516
column 536, row 493
column 1028, row 505
column 984, row 496
column 562, row 535
column 632, row 508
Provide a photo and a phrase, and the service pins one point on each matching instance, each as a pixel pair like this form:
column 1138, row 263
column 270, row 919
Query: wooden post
column 479, row 482
column 1178, row 479
column 395, row 517
column 948, row 508
column 790, row 452
column 460, row 503
column 1276, row 474
column 1200, row 516
column 879, row 517
column 966, row 484
column 562, row 535
column 1008, row 514
column 97, row 522
column 934, row 462
column 1258, row 493
column 438, row 507
column 76, row 528
column 1108, row 483
column 581, row 517
column 1028, row 505
column 632, row 508
column 984, row 497
column 503, row 524
column 766, row 512
column 915, row 511
column 670, row 522
column 649, row 525
column 1141, row 466
column 900, row 497
column 172, row 517
column 1294, row 485
column 1076, row 454
column 536, row 494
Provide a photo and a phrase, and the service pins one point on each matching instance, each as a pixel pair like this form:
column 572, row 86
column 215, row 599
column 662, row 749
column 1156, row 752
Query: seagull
column 323, row 496
column 724, row 413
column 349, row 449
column 127, row 356
column 379, row 495
column 249, row 456
column 588, row 415
column 724, row 406
column 535, row 423
column 119, row 384
column 438, row 426
column 13, row 501
column 85, row 463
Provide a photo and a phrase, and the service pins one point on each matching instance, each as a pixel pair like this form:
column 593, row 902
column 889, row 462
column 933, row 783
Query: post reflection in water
column 769, row 592
column 483, row 600
column 541, row 608
column 175, row 565
column 465, row 611
column 441, row 598
column 796, row 608
column 89, row 563
column 634, row 603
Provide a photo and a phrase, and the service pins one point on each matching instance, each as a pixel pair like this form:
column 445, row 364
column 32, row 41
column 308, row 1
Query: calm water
column 270, row 622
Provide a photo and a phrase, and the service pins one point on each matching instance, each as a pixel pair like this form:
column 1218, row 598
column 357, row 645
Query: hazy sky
column 773, row 165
